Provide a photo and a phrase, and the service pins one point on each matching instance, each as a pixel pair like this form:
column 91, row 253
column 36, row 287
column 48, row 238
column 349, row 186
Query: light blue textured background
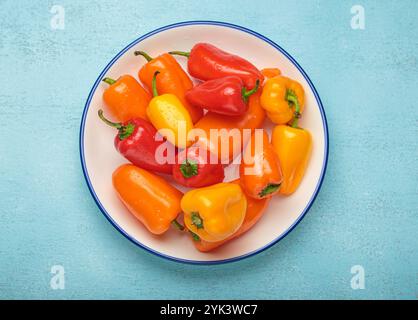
column 366, row 212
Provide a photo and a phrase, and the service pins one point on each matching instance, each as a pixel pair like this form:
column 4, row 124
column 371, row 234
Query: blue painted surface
column 366, row 212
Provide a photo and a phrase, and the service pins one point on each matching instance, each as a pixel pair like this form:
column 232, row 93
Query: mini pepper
column 271, row 72
column 260, row 172
column 207, row 62
column 227, row 95
column 168, row 113
column 172, row 79
column 126, row 98
column 136, row 141
column 255, row 210
column 293, row 146
column 196, row 167
column 216, row 212
column 279, row 98
column 253, row 118
column 151, row 199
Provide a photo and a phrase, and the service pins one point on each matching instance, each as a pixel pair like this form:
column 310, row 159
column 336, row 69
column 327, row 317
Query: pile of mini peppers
column 232, row 94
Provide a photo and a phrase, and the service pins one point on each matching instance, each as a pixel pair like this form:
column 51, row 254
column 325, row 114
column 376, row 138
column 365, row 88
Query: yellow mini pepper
column 216, row 212
column 293, row 146
column 279, row 98
column 168, row 113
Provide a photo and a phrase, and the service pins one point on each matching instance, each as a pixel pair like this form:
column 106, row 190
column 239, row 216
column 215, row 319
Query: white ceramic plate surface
column 99, row 158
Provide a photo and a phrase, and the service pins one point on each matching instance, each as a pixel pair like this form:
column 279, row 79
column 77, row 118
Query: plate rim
column 151, row 250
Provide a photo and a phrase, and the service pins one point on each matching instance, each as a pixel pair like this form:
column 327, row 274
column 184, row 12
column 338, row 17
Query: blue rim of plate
column 228, row 25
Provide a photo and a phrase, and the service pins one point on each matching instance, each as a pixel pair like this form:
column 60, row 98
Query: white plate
column 99, row 158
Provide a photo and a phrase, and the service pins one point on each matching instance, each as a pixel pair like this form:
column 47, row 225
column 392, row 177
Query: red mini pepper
column 194, row 168
column 136, row 142
column 225, row 95
column 207, row 62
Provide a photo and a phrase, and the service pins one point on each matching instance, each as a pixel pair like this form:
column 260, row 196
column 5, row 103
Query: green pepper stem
column 246, row 94
column 116, row 125
column 293, row 98
column 154, row 84
column 196, row 220
column 177, row 225
column 269, row 189
column 189, row 168
column 125, row 131
column 180, row 53
column 109, row 80
column 144, row 54
column 194, row 236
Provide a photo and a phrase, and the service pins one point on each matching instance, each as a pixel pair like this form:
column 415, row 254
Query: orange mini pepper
column 172, row 79
column 271, row 72
column 293, row 146
column 255, row 210
column 279, row 98
column 151, row 199
column 126, row 99
column 253, row 118
column 260, row 172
